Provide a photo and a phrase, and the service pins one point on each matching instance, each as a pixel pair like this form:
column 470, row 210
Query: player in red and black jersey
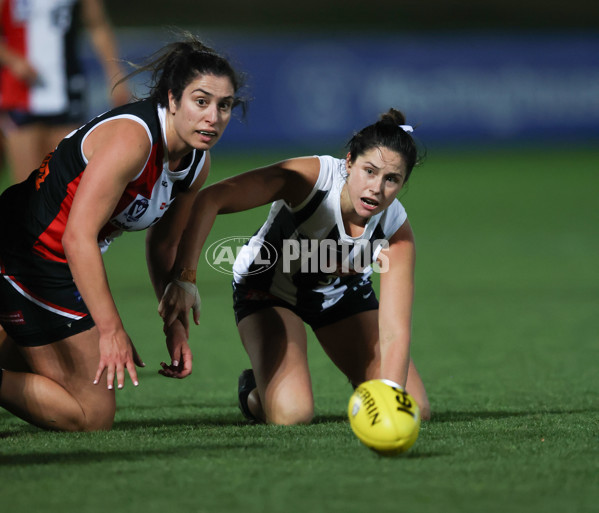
column 136, row 167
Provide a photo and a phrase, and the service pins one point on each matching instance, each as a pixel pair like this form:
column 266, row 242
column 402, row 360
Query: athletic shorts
column 13, row 119
column 247, row 301
column 39, row 310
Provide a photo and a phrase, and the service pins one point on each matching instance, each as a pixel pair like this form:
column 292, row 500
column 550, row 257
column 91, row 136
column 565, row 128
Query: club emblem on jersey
column 137, row 209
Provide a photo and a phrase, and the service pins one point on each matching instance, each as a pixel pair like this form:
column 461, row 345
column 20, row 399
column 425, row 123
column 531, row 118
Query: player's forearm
column 197, row 231
column 102, row 36
column 395, row 358
column 89, row 274
column 160, row 259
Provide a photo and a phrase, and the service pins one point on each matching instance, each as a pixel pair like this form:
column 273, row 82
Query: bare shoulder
column 403, row 234
column 302, row 174
column 125, row 137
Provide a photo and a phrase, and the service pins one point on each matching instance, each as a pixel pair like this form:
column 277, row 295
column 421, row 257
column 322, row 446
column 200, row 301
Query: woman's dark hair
column 174, row 66
column 387, row 132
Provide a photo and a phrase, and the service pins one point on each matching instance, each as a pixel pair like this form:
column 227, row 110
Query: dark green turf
column 505, row 336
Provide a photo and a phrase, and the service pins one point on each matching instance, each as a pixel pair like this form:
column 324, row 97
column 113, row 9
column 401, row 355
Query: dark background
column 371, row 15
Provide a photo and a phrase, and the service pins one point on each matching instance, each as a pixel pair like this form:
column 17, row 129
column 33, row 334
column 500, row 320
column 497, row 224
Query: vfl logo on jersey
column 137, row 209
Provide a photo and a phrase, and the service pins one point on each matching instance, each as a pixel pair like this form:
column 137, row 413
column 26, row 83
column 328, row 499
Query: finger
column 120, row 376
column 136, row 358
column 196, row 314
column 166, row 370
column 186, row 370
column 166, row 367
column 132, row 373
column 99, row 372
column 110, row 377
column 176, row 358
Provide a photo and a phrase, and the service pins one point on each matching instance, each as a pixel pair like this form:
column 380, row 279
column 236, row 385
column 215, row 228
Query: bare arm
column 162, row 242
column 116, row 152
column 290, row 180
column 395, row 311
column 104, row 41
column 163, row 238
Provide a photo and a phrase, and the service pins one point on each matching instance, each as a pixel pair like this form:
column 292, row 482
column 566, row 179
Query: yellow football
column 384, row 416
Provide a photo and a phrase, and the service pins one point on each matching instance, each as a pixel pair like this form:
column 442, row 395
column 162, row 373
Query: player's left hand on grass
column 179, row 351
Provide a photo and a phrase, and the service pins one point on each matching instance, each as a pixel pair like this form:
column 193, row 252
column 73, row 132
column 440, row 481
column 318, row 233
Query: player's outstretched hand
column 179, row 351
column 117, row 353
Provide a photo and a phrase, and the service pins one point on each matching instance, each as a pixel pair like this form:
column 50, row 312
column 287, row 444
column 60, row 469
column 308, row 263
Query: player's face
column 204, row 111
column 374, row 180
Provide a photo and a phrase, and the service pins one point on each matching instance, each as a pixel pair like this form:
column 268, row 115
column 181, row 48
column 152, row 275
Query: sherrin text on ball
column 384, row 416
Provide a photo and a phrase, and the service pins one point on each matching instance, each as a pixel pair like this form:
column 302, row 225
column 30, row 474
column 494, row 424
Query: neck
column 175, row 149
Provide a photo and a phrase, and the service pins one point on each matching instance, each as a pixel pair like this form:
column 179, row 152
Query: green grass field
column 505, row 335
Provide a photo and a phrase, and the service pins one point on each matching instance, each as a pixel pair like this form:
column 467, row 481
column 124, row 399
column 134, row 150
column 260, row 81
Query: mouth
column 369, row 203
column 207, row 134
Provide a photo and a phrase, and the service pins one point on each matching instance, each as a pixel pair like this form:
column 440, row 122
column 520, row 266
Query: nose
column 376, row 185
column 212, row 114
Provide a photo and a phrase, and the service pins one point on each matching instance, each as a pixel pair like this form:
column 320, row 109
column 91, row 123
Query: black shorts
column 247, row 301
column 38, row 310
column 16, row 118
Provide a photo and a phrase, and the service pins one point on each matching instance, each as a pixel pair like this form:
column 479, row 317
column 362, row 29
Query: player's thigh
column 276, row 343
column 22, row 146
column 72, row 363
column 353, row 345
column 10, row 356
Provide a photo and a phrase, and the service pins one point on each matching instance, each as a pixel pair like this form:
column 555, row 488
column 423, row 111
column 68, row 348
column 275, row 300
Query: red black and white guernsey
column 33, row 214
column 45, row 33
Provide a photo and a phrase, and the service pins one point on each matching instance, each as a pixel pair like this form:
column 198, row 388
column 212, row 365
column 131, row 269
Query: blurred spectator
column 42, row 86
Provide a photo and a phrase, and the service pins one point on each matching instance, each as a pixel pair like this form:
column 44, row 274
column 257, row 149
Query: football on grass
column 384, row 416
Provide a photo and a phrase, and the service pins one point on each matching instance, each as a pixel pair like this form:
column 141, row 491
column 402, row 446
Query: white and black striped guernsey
column 315, row 230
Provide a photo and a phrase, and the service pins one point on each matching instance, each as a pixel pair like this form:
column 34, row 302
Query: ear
column 348, row 162
column 172, row 103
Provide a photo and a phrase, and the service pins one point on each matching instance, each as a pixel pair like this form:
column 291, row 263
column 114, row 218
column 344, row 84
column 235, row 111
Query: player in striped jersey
column 42, row 84
column 311, row 263
column 136, row 167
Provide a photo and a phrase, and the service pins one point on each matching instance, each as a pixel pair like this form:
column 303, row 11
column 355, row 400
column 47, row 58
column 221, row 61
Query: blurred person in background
column 136, row 167
column 350, row 205
column 42, row 85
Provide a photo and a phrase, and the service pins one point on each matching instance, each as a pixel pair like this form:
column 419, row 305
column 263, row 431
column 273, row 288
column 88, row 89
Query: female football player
column 330, row 220
column 136, row 167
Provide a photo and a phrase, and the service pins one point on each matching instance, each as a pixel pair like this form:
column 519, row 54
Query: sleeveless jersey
column 44, row 32
column 39, row 207
column 303, row 255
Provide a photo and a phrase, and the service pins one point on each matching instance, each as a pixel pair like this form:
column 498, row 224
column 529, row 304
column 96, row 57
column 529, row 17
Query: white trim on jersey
column 41, row 304
column 121, row 116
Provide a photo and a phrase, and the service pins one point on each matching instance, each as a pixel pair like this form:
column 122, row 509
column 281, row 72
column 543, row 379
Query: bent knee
column 99, row 421
column 95, row 417
column 291, row 414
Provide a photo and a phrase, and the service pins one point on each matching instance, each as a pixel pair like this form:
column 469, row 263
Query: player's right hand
column 117, row 353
